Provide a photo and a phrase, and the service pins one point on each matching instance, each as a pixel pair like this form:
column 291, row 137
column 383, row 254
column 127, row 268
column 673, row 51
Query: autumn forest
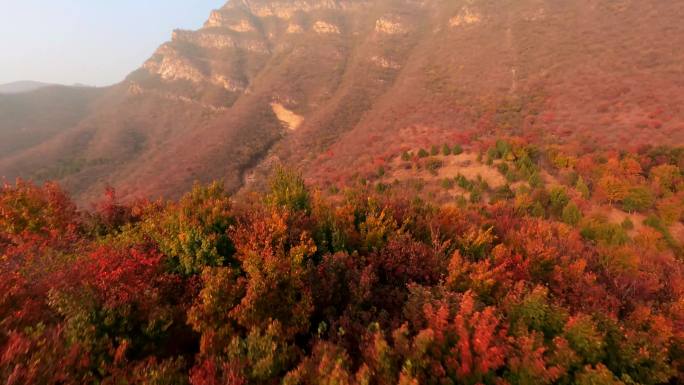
column 373, row 284
column 343, row 192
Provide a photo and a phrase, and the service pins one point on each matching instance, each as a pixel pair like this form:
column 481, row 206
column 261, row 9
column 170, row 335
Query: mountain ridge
column 22, row 86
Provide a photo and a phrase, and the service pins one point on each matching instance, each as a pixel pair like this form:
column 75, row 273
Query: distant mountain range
column 30, row 86
column 334, row 87
column 21, row 86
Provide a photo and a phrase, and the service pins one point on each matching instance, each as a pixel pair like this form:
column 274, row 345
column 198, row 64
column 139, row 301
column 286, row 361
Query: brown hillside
column 363, row 80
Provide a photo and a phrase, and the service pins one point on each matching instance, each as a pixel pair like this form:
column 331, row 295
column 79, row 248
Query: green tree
column 463, row 182
column 601, row 375
column 503, row 193
column 535, row 180
column 265, row 350
column 503, row 168
column 434, row 150
column 193, row 232
column 446, row 150
column 670, row 209
column 598, row 228
column 638, row 199
column 502, row 148
column 558, row 199
column 666, row 177
column 585, row 338
column 582, row 188
column 423, row 153
column 571, row 214
column 458, row 150
column 476, row 195
column 289, row 190
column 537, row 210
column 492, row 154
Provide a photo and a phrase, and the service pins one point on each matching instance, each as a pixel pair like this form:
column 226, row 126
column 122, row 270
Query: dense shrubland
column 376, row 287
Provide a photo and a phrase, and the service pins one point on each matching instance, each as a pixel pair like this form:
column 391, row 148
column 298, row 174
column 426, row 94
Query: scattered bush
column 446, row 150
column 433, row 166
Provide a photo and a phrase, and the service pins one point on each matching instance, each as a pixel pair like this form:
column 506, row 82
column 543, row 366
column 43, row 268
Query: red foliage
column 371, row 290
column 118, row 276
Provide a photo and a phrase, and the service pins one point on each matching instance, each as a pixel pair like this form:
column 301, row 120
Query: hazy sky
column 95, row 42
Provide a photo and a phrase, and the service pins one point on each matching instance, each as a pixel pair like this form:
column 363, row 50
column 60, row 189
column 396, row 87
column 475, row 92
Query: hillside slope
column 30, row 118
column 330, row 86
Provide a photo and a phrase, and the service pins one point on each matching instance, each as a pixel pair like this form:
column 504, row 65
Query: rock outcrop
column 325, row 27
column 169, row 64
column 467, row 16
column 389, row 26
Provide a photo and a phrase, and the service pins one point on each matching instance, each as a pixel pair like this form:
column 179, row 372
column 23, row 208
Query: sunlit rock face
column 216, row 19
column 219, row 19
column 228, row 84
column 323, row 27
column 249, row 31
column 294, row 28
column 169, row 64
column 284, row 9
column 467, row 16
column 205, row 39
column 385, row 63
column 389, row 26
column 241, row 26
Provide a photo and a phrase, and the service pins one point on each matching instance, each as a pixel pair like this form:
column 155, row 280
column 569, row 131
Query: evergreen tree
column 537, row 210
column 558, row 199
column 582, row 188
column 289, row 190
column 535, row 180
column 571, row 214
column 446, row 150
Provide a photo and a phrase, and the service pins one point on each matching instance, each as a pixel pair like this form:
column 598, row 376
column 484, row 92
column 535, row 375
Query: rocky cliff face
column 333, row 86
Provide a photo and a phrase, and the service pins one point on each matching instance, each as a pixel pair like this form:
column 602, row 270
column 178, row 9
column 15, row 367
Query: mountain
column 21, row 86
column 334, row 86
column 31, row 118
